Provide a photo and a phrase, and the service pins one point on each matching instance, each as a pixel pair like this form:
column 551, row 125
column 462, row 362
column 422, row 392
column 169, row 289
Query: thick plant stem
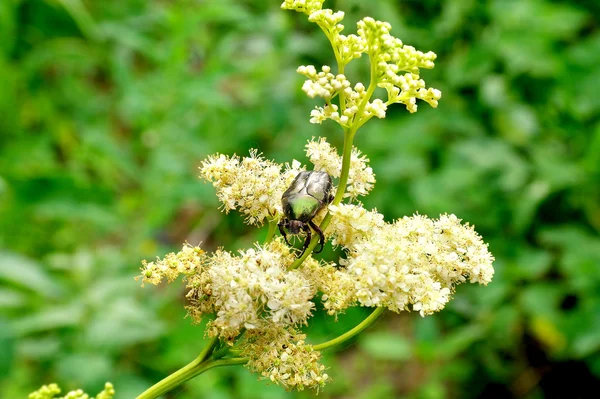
column 197, row 366
column 351, row 333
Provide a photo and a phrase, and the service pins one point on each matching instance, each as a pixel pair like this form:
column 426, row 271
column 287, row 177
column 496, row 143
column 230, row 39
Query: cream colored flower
column 395, row 67
column 251, row 290
column 352, row 223
column 253, row 185
column 188, row 261
column 361, row 178
column 414, row 262
column 322, row 84
column 282, row 356
column 304, row 6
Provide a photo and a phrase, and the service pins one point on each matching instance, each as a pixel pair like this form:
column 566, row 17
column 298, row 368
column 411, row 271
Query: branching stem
column 353, row 332
column 195, row 367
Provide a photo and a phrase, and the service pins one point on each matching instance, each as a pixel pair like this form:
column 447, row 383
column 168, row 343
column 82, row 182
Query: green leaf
column 541, row 299
column 27, row 273
column 386, row 345
column 51, row 318
column 7, row 347
column 459, row 340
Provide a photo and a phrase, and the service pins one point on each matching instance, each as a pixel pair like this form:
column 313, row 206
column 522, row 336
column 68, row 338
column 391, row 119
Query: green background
column 108, row 107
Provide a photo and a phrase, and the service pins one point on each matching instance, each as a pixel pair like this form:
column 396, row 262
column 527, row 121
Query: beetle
column 305, row 197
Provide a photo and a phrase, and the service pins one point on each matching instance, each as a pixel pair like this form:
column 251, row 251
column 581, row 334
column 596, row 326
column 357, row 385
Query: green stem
column 197, row 366
column 270, row 232
column 342, row 94
column 372, row 318
column 346, row 158
column 232, row 361
column 351, row 333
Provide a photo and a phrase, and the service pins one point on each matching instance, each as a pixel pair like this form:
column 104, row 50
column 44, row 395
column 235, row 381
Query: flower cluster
column 251, row 184
column 50, row 392
column 394, row 66
column 323, row 84
column 305, row 6
column 355, row 99
column 411, row 264
column 253, row 290
column 352, row 223
column 283, row 357
column 254, row 185
column 361, row 178
column 255, row 293
column 414, row 262
column 187, row 262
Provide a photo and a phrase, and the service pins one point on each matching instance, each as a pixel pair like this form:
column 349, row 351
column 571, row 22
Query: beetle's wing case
column 307, row 194
column 298, row 184
column 319, row 185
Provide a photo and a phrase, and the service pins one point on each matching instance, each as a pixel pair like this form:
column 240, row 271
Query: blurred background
column 108, row 107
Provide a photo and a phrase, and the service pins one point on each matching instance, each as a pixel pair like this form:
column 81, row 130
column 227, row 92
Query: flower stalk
column 363, row 325
column 197, row 366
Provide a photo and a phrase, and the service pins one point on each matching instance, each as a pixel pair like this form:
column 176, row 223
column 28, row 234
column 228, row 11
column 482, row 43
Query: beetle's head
column 294, row 226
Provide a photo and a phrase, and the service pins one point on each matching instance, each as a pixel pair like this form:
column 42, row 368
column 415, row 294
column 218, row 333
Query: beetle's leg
column 281, row 225
column 306, row 228
column 320, row 233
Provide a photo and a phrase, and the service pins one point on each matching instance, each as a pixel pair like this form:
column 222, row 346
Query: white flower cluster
column 282, row 356
column 396, row 68
column 393, row 57
column 413, row 262
column 352, row 223
column 253, row 290
column 323, row 84
column 361, row 178
column 349, row 47
column 252, row 184
column 305, row 6
column 328, row 20
column 188, row 261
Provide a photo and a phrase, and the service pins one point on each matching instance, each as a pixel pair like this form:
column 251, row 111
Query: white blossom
column 253, row 185
column 415, row 261
column 324, row 157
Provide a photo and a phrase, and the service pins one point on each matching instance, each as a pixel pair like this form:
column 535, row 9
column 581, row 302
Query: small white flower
column 253, row 185
column 361, row 178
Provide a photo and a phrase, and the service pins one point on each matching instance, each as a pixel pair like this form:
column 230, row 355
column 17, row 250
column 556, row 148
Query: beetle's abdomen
column 301, row 207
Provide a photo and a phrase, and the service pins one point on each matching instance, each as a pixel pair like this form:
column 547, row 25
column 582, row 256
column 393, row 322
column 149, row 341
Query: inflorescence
column 394, row 67
column 260, row 298
column 413, row 264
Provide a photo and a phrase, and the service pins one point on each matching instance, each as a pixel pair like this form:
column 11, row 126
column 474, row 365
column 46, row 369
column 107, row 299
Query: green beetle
column 307, row 195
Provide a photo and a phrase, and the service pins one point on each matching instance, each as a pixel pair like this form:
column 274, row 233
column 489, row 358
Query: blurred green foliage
column 108, row 107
